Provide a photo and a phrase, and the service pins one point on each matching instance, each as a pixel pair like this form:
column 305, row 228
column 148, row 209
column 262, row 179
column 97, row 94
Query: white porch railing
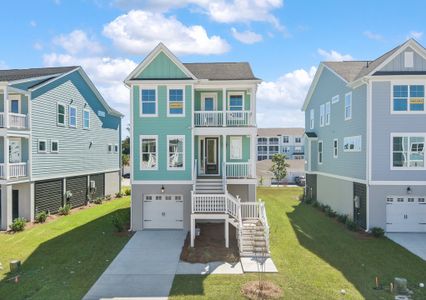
column 238, row 169
column 223, row 118
column 15, row 170
column 263, row 218
column 208, row 118
column 208, row 203
column 250, row 210
column 2, row 120
column 239, row 118
column 15, row 120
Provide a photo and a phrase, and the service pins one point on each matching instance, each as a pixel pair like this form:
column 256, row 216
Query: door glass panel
column 208, row 104
column 14, row 151
column 14, row 106
column 211, row 151
column 202, row 156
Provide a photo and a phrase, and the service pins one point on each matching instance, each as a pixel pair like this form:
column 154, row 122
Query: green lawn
column 64, row 257
column 316, row 258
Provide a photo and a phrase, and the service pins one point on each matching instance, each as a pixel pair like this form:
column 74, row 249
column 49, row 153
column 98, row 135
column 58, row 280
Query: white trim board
column 353, row 179
column 162, row 182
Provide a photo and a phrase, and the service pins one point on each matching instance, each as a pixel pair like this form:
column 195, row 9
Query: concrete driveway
column 413, row 242
column 145, row 268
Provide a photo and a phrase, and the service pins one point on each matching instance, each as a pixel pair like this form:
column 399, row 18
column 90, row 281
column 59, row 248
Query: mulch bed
column 210, row 245
column 261, row 290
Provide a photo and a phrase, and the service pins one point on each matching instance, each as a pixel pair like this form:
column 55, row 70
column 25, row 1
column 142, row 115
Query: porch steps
column 209, row 186
column 253, row 239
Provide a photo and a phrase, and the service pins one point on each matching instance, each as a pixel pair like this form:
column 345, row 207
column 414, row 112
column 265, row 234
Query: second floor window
column 149, row 102
column 327, row 113
column 86, row 119
column 61, row 114
column 176, row 103
column 322, row 113
column 408, row 152
column 352, row 143
column 298, row 139
column 262, row 141
column 273, row 141
column 72, row 117
column 348, row 106
column 285, row 139
column 311, row 119
column 408, row 98
column 236, row 102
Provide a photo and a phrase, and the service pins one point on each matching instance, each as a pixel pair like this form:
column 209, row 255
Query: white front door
column 163, row 212
column 405, row 214
column 15, row 150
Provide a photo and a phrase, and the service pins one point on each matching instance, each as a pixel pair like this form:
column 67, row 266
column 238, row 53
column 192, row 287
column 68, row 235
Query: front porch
column 14, row 108
column 14, row 157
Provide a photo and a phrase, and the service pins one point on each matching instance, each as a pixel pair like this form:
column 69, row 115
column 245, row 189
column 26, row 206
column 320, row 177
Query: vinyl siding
column 219, row 96
column 397, row 64
column 162, row 67
column 80, row 151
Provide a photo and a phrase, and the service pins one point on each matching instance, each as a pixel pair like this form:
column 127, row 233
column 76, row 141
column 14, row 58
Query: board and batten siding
column 81, row 151
column 348, row 164
column 397, row 64
column 383, row 124
column 162, row 67
column 162, row 126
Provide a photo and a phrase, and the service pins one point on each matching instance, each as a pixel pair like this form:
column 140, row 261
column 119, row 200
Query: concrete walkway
column 413, row 242
column 216, row 267
column 258, row 265
column 144, row 269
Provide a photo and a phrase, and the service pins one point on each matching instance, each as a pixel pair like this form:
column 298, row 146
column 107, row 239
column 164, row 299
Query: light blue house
column 365, row 136
column 193, row 142
column 59, row 142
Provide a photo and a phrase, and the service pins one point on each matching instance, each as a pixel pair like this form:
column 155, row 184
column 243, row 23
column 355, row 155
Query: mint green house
column 193, row 130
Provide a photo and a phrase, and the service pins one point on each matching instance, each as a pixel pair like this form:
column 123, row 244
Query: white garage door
column 405, row 214
column 163, row 211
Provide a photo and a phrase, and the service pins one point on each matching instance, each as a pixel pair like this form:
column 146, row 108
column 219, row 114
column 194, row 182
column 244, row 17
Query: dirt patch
column 210, row 245
column 261, row 290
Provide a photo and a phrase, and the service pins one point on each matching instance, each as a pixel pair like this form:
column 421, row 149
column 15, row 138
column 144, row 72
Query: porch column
column 253, row 105
column 224, row 155
column 6, row 206
column 226, row 233
column 6, row 157
column 6, row 108
column 224, row 121
column 192, row 230
column 32, row 201
column 253, row 157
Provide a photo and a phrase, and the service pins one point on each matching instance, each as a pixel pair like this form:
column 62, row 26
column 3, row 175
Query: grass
column 63, row 258
column 317, row 258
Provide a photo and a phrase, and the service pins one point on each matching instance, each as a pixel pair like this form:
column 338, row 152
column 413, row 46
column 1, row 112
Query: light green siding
column 245, row 152
column 162, row 126
column 219, row 97
column 162, row 67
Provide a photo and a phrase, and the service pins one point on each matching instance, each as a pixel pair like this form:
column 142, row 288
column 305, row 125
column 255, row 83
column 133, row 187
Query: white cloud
column 3, row 65
column 246, row 37
column 373, row 36
column 279, row 102
column 33, row 23
column 38, row 46
column 138, row 32
column 334, row 55
column 77, row 41
column 415, row 35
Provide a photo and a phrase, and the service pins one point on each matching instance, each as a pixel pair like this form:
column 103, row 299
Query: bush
column 127, row 191
column 315, row 204
column 377, row 232
column 118, row 223
column 329, row 212
column 118, row 195
column 98, row 200
column 18, row 224
column 41, row 217
column 324, row 207
column 342, row 218
column 351, row 225
column 108, row 197
column 65, row 210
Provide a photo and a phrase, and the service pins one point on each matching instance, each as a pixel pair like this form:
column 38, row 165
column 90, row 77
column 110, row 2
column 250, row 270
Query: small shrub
column 65, row 210
column 108, row 197
column 118, row 223
column 127, row 191
column 118, row 195
column 41, row 217
column 331, row 213
column 342, row 218
column 315, row 204
column 98, row 200
column 324, row 207
column 351, row 225
column 18, row 224
column 377, row 232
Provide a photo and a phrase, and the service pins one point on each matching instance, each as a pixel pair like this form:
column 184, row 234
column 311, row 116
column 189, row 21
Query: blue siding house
column 365, row 135
column 59, row 142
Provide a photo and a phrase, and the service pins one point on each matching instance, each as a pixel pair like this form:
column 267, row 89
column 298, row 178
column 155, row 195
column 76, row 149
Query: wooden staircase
column 253, row 240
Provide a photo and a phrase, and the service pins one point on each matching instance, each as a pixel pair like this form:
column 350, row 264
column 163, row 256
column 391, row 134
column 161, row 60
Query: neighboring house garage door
column 405, row 214
column 48, row 195
column 78, row 187
column 163, row 212
column 99, row 191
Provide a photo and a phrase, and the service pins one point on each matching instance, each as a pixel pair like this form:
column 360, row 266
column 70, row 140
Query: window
column 176, row 152
column 148, row 147
column 327, row 113
column 176, row 104
column 14, row 104
column 148, row 102
column 408, row 98
column 335, row 99
column 322, row 111
column 408, row 152
column 312, row 119
column 273, row 150
column 115, row 148
column 86, row 119
column 408, row 59
column 61, row 114
column 262, row 141
column 262, row 149
column 335, row 148
column 236, row 102
column 273, row 141
column 352, row 144
column 298, row 139
column 320, row 146
column 285, row 139
column 54, row 146
column 73, row 116
column 236, row 147
column 109, row 148
column 42, row 146
column 348, row 106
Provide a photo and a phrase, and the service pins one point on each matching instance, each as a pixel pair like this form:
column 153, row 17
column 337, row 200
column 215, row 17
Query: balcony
column 16, row 170
column 239, row 169
column 15, row 120
column 224, row 119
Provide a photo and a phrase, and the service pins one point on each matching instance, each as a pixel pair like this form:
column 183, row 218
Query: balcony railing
column 19, row 121
column 16, row 170
column 223, row 118
column 238, row 170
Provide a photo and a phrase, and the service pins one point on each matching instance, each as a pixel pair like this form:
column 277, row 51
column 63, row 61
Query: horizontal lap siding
column 48, row 196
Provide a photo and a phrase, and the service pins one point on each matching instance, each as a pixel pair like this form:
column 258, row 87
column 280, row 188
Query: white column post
column 226, row 233
column 192, row 231
column 224, row 121
column 224, row 154
column 6, row 156
column 32, row 208
column 6, row 203
column 253, row 155
column 6, row 108
column 253, row 105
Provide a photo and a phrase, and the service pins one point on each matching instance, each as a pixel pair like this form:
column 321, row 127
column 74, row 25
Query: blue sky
column 283, row 40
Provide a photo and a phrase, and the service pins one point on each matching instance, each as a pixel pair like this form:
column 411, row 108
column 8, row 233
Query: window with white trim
column 60, row 114
column 408, row 151
column 335, row 99
column 311, row 119
column 86, row 119
column 148, row 150
column 286, row 139
column 408, row 98
column 327, row 113
column 116, row 148
column 297, row 139
column 335, row 148
column 148, row 102
column 42, row 146
column 236, row 102
column 176, row 152
column 54, row 146
column 176, row 103
column 109, row 148
column 348, row 106
column 352, row 143
column 236, row 147
column 320, row 151
column 322, row 113
column 72, row 119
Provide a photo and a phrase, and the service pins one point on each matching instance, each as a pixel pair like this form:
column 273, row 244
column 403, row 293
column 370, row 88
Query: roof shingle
column 19, row 74
column 221, row 71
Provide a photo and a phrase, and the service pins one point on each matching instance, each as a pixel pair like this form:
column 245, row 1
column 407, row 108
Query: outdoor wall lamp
column 409, row 190
column 162, row 189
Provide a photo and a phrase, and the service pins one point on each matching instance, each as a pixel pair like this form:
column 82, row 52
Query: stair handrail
column 264, row 219
column 194, row 176
column 240, row 225
column 225, row 189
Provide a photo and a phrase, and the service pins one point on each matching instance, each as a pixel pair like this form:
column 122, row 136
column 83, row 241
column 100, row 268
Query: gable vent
column 408, row 59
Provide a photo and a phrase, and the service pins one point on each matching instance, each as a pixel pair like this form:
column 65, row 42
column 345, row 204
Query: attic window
column 408, row 59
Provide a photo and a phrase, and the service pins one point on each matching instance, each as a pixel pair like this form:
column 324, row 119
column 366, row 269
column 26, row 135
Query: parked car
column 300, row 180
column 126, row 175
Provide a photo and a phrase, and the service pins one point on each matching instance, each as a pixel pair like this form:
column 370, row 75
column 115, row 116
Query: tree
column 279, row 166
column 125, row 146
